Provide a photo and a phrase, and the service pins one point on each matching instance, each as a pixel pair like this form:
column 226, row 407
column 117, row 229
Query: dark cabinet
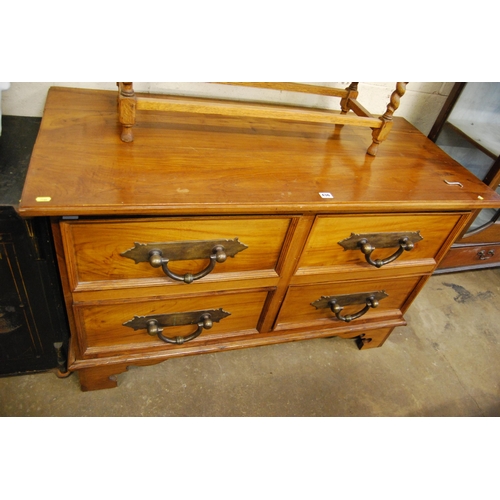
column 468, row 129
column 33, row 325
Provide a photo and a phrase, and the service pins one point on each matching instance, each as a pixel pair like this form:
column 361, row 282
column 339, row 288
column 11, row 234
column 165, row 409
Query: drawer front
column 473, row 255
column 100, row 252
column 383, row 233
column 102, row 327
column 308, row 305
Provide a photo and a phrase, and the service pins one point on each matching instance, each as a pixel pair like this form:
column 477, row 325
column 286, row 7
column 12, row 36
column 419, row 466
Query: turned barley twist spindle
column 381, row 133
column 126, row 110
column 344, row 103
column 395, row 101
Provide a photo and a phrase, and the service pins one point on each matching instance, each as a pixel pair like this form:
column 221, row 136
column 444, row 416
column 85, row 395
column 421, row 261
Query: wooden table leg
column 101, row 377
column 373, row 338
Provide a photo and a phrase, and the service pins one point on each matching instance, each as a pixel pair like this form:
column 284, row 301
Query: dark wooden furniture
column 213, row 233
column 351, row 112
column 33, row 326
column 468, row 129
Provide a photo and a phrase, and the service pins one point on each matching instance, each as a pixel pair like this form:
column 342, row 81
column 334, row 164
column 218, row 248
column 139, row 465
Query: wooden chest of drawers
column 207, row 234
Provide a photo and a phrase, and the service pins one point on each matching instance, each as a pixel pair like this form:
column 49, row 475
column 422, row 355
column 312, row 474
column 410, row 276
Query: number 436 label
column 326, row 195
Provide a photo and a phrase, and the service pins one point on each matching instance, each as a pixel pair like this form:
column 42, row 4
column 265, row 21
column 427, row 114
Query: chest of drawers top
column 182, row 164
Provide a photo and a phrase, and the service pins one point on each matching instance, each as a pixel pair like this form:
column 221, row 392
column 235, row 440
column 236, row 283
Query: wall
column 420, row 105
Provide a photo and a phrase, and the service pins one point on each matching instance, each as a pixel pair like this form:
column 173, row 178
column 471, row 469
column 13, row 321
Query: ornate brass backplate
column 183, row 250
column 176, row 319
column 155, row 324
column 380, row 240
column 336, row 303
column 349, row 299
column 368, row 242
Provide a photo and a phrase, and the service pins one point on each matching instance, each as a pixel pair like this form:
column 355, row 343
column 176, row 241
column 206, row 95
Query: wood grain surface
column 189, row 164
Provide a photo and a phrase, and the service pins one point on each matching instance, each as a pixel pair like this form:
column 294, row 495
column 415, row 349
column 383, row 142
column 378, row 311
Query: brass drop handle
column 482, row 255
column 154, row 328
column 155, row 324
column 161, row 253
column 336, row 303
column 404, row 245
column 368, row 242
column 156, row 259
column 336, row 308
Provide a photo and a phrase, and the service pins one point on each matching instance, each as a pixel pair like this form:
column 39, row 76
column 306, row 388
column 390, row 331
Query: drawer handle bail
column 371, row 303
column 404, row 245
column 161, row 253
column 154, row 328
column 156, row 259
column 368, row 242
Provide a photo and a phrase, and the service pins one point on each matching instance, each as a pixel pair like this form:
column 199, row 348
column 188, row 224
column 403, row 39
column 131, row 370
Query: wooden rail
column 129, row 103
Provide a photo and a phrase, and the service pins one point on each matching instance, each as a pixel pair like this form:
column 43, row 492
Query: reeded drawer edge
column 364, row 271
column 97, row 286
